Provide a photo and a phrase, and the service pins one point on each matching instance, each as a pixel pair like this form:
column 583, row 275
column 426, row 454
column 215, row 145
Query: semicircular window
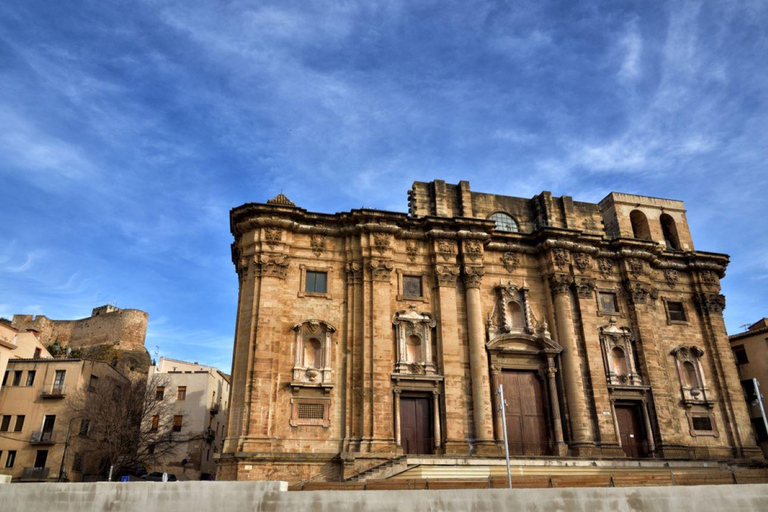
column 504, row 222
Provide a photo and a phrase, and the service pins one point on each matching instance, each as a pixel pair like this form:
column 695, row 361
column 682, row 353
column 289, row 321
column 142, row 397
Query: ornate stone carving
column 605, row 265
column 671, row 276
column 690, row 373
column 273, row 265
column 635, row 267
column 709, row 278
column 473, row 249
column 584, row 287
column 559, row 283
column 273, row 235
column 473, row 276
column 317, row 242
column 412, row 249
column 354, row 271
column 561, row 258
column 639, row 293
column 511, row 312
column 446, row 249
column 582, row 261
column 381, row 242
column 510, row 260
column 381, row 269
column 710, row 302
column 618, row 348
column 312, row 353
column 413, row 331
column 446, row 275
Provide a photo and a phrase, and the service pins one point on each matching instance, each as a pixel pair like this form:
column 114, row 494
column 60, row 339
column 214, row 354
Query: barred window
column 310, row 411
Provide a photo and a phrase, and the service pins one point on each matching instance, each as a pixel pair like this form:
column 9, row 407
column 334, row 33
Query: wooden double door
column 416, row 427
column 526, row 413
column 631, row 430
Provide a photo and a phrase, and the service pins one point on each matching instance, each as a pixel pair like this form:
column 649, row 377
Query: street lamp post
column 503, row 411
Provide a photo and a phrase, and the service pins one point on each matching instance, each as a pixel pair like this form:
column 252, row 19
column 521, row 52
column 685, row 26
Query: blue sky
column 129, row 129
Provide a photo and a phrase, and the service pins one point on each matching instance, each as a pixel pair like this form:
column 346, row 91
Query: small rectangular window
column 11, row 459
column 676, row 311
column 77, row 463
column 85, row 427
column 5, row 423
column 703, row 423
column 17, row 377
column 92, row 382
column 159, row 392
column 412, row 286
column 177, row 423
column 155, row 423
column 31, row 377
column 19, row 423
column 741, row 354
column 316, row 282
column 608, row 302
column 38, row 351
column 58, row 379
column 181, row 393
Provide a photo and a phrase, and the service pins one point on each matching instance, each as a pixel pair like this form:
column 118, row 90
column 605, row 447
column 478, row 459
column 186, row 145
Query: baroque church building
column 368, row 336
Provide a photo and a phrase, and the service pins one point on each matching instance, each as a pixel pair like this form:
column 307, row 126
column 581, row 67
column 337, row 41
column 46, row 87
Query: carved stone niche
column 413, row 331
column 690, row 374
column 511, row 313
column 312, row 355
column 619, row 355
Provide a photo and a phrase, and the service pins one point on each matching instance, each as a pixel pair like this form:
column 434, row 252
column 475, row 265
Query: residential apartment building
column 15, row 344
column 198, row 396
column 750, row 349
column 39, row 429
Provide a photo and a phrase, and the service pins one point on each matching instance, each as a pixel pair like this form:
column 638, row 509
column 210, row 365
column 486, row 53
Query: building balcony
column 209, row 435
column 215, row 408
column 40, row 437
column 34, row 474
column 53, row 391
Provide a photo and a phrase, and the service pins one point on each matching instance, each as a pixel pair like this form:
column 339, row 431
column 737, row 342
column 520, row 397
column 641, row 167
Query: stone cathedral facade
column 365, row 335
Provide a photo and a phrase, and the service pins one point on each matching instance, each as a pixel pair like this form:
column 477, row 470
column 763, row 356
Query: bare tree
column 124, row 425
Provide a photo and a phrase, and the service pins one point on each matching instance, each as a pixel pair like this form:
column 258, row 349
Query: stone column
column 561, row 449
column 382, row 356
column 581, row 423
column 648, row 429
column 398, row 431
column 478, row 359
column 436, row 419
column 450, row 358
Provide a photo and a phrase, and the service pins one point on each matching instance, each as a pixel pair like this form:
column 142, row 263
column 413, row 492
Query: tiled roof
column 281, row 200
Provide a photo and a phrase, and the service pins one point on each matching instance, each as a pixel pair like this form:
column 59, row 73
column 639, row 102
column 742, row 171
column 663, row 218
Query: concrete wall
column 267, row 496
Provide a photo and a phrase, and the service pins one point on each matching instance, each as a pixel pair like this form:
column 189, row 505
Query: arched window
column 640, row 228
column 413, row 349
column 619, row 361
column 313, row 353
column 504, row 222
column 669, row 229
column 689, row 374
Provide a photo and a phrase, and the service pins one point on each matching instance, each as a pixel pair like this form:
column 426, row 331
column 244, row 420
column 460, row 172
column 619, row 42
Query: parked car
column 157, row 476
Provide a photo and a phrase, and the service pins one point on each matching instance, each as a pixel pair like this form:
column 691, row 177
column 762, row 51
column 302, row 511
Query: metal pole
column 502, row 410
column 759, row 396
column 109, row 478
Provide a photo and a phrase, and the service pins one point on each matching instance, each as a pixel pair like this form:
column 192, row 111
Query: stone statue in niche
column 511, row 313
column 413, row 332
column 312, row 353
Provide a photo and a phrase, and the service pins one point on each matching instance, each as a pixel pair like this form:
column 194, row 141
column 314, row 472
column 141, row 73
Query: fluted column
column 573, row 377
column 478, row 360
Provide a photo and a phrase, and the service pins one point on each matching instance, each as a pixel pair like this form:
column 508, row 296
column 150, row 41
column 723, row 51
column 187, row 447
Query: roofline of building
column 747, row 334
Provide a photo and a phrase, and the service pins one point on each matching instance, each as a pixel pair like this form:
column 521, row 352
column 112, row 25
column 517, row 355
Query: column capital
column 273, row 265
column 559, row 283
column 381, row 269
column 473, row 276
column 446, row 275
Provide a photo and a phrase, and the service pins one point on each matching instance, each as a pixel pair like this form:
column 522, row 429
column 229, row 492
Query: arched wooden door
column 526, row 413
